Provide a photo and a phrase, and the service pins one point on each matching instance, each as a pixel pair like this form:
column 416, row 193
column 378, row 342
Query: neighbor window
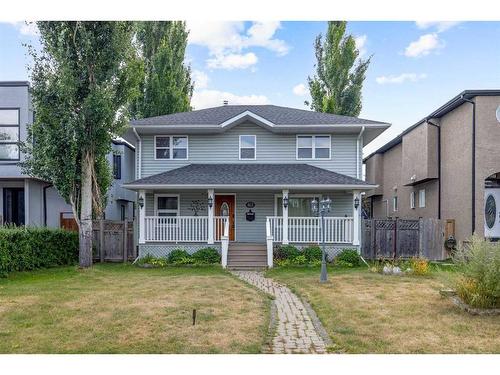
column 395, row 203
column 248, row 147
column 167, row 205
column 412, row 199
column 171, row 147
column 298, row 206
column 313, row 146
column 421, row 198
column 117, row 167
column 9, row 134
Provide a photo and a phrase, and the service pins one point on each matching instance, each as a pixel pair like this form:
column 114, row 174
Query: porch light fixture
column 210, row 201
column 356, row 203
column 285, row 202
column 141, row 202
column 322, row 208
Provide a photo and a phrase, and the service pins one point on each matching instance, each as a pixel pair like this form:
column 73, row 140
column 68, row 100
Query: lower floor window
column 167, row 205
column 297, row 206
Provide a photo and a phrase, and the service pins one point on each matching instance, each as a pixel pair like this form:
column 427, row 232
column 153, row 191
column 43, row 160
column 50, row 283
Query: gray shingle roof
column 277, row 115
column 249, row 174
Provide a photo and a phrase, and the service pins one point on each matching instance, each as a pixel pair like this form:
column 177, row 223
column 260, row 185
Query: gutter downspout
column 45, row 204
column 439, row 163
column 473, row 180
column 139, row 140
column 357, row 152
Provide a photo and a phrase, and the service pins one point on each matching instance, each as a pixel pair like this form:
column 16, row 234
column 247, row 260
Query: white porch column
column 142, row 217
column 285, row 218
column 356, row 213
column 210, row 194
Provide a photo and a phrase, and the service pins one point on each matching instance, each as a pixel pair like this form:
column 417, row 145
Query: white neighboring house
column 29, row 201
column 241, row 178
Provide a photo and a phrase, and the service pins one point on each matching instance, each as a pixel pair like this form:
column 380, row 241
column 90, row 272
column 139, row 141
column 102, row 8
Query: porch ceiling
column 281, row 176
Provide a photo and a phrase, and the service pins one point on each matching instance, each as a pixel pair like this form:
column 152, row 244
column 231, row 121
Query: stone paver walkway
column 295, row 331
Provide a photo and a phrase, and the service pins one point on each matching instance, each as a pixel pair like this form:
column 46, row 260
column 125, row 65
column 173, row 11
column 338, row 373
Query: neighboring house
column 241, row 178
column 445, row 166
column 25, row 200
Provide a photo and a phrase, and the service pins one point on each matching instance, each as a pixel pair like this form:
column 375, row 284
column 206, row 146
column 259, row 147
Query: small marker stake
column 194, row 316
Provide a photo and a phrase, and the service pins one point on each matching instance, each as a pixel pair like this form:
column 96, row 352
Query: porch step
column 247, row 256
column 247, row 267
column 247, row 246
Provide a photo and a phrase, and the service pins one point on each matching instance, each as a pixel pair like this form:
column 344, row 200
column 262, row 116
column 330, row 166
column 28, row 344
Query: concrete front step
column 246, row 267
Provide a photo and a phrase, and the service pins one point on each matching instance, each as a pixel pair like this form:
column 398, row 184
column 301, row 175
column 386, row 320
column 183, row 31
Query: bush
column 207, row 255
column 479, row 266
column 152, row 260
column 29, row 248
column 178, row 255
column 419, row 266
column 286, row 252
column 348, row 258
column 312, row 253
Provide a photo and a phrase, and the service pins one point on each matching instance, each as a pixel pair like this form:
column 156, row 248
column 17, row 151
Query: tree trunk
column 85, row 256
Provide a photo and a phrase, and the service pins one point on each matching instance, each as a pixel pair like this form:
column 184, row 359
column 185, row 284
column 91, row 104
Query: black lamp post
column 322, row 208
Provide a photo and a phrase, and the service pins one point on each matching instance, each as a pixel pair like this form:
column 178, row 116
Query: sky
column 415, row 66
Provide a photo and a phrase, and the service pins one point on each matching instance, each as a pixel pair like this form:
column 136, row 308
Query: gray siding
column 250, row 231
column 271, row 148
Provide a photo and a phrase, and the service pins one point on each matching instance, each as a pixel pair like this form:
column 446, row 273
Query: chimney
column 225, row 102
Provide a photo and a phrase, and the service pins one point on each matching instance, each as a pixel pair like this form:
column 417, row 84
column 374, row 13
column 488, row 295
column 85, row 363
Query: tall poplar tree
column 166, row 85
column 82, row 82
column 336, row 86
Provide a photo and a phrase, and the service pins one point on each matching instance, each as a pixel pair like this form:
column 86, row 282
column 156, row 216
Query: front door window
column 224, row 209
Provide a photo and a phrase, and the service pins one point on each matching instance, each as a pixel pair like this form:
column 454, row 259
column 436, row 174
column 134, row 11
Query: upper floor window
column 412, row 199
column 421, row 198
column 9, row 134
column 117, row 167
column 395, row 203
column 171, row 147
column 248, row 145
column 313, row 146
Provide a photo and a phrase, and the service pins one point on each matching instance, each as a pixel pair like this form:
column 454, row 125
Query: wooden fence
column 403, row 238
column 113, row 241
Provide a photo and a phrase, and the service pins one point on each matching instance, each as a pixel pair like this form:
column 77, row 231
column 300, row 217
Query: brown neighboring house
column 446, row 166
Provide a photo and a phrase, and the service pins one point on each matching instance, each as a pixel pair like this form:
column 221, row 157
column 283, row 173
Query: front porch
column 194, row 219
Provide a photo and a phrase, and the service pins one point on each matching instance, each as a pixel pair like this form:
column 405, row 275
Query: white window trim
column 420, row 203
column 18, row 126
column 156, row 196
column 313, row 146
column 255, row 147
column 171, row 148
column 412, row 199
column 276, row 196
column 395, row 203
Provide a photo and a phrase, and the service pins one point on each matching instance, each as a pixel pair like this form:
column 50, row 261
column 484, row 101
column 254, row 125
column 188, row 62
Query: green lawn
column 125, row 309
column 365, row 312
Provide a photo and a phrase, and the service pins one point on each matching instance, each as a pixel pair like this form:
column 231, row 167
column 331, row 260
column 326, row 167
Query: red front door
column 224, row 206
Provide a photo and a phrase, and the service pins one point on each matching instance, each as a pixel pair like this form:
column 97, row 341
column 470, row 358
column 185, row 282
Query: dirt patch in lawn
column 123, row 309
column 371, row 313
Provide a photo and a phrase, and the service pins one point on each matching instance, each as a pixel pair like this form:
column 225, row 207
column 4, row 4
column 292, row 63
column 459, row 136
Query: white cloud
column 361, row 44
column 224, row 39
column 212, row 98
column 439, row 25
column 232, row 61
column 26, row 28
column 300, row 90
column 411, row 77
column 424, row 45
column 200, row 79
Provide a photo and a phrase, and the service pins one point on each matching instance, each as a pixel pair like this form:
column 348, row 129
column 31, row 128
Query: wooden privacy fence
column 113, row 241
column 403, row 238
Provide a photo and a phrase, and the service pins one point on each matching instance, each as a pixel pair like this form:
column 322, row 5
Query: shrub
column 348, row 258
column 29, row 248
column 312, row 253
column 208, row 255
column 286, row 252
column 479, row 266
column 299, row 260
column 419, row 266
column 177, row 256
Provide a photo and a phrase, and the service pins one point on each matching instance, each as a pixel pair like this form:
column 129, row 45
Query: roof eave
column 251, row 186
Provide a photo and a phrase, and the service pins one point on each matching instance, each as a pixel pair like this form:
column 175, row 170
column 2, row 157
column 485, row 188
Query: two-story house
column 242, row 178
column 25, row 200
column 446, row 166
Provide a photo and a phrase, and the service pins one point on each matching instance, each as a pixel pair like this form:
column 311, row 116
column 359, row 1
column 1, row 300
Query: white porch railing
column 307, row 229
column 182, row 228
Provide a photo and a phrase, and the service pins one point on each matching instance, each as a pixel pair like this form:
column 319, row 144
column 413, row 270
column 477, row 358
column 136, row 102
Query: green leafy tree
column 336, row 86
column 82, row 81
column 166, row 85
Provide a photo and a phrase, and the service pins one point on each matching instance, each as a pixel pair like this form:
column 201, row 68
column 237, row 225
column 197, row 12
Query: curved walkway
column 295, row 331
